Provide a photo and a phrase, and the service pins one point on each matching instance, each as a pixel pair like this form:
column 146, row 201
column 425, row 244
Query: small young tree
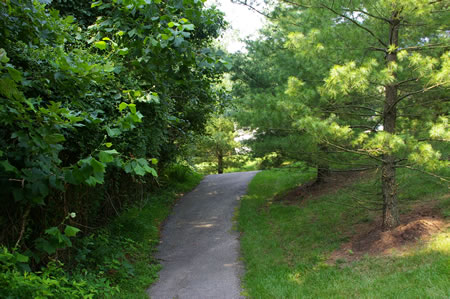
column 218, row 142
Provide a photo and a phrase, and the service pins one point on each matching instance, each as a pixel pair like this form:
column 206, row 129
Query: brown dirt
column 418, row 225
column 333, row 183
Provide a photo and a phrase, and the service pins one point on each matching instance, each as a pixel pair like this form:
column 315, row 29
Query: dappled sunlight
column 296, row 277
column 202, row 224
column 206, row 225
column 440, row 243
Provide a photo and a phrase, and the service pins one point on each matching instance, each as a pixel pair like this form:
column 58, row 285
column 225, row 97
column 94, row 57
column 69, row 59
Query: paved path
column 199, row 250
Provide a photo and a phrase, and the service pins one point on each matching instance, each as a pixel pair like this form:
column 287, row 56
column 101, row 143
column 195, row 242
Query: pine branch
column 356, row 23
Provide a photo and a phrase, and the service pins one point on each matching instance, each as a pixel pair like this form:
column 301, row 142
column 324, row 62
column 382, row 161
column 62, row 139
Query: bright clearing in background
column 244, row 23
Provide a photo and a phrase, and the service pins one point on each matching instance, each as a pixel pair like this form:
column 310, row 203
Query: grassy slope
column 285, row 247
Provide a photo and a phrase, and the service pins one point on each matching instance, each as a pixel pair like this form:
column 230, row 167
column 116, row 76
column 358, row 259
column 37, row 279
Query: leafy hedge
column 95, row 100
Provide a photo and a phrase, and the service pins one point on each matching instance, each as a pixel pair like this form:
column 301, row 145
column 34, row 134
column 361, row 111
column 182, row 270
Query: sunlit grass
column 285, row 248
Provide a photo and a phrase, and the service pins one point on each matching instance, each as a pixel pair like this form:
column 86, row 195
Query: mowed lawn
column 285, row 248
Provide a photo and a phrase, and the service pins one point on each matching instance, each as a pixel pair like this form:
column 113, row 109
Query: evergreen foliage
column 365, row 82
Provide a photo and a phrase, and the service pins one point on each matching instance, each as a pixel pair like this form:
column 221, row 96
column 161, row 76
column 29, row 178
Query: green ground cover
column 285, row 247
column 116, row 261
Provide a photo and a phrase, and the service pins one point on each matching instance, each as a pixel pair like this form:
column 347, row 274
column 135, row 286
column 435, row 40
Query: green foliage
column 50, row 281
column 95, row 99
column 114, row 262
column 356, row 84
column 218, row 141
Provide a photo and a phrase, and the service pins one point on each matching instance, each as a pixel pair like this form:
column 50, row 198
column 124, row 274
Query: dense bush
column 95, row 100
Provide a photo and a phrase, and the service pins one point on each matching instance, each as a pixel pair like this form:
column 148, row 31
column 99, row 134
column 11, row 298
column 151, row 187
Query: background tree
column 218, row 141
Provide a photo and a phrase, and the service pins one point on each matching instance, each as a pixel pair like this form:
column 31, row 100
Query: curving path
column 199, row 250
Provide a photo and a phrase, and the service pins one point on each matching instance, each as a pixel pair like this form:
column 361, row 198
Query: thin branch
column 418, row 48
column 244, row 3
column 353, row 151
column 378, row 49
column 356, row 23
column 406, row 81
column 429, row 173
column 415, row 92
column 24, row 223
column 368, row 14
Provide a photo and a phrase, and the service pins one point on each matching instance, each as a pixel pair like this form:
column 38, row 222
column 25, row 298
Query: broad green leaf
column 3, row 57
column 122, row 106
column 54, row 138
column 101, row 45
column 71, row 231
column 189, row 27
column 92, row 181
column 96, row 3
column 109, row 67
column 7, row 166
column 98, row 166
column 53, row 231
column 139, row 170
column 21, row 258
column 105, row 157
column 123, row 51
column 113, row 132
column 15, row 74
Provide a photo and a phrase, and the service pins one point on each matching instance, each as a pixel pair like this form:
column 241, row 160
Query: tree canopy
column 361, row 83
column 96, row 94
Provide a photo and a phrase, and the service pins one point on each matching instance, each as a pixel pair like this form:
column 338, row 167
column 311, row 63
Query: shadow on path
column 199, row 251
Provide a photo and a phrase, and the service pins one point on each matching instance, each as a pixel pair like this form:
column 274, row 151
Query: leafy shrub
column 50, row 282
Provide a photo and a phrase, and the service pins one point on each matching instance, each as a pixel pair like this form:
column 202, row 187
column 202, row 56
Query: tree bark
column 219, row 163
column 323, row 169
column 388, row 179
column 322, row 172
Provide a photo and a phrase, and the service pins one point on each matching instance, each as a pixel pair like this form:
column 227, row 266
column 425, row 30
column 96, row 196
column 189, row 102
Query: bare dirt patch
column 333, row 183
column 418, row 225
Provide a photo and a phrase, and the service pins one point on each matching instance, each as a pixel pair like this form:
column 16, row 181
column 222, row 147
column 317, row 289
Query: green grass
column 139, row 227
column 285, row 248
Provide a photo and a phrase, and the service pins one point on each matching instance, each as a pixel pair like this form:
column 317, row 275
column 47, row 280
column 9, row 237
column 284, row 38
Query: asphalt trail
column 199, row 250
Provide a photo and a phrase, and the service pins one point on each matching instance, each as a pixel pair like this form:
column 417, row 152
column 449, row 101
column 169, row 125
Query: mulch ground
column 418, row 225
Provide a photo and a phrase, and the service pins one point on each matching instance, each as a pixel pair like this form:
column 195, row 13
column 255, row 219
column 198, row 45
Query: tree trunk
column 219, row 163
column 322, row 172
column 323, row 169
column 388, row 180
